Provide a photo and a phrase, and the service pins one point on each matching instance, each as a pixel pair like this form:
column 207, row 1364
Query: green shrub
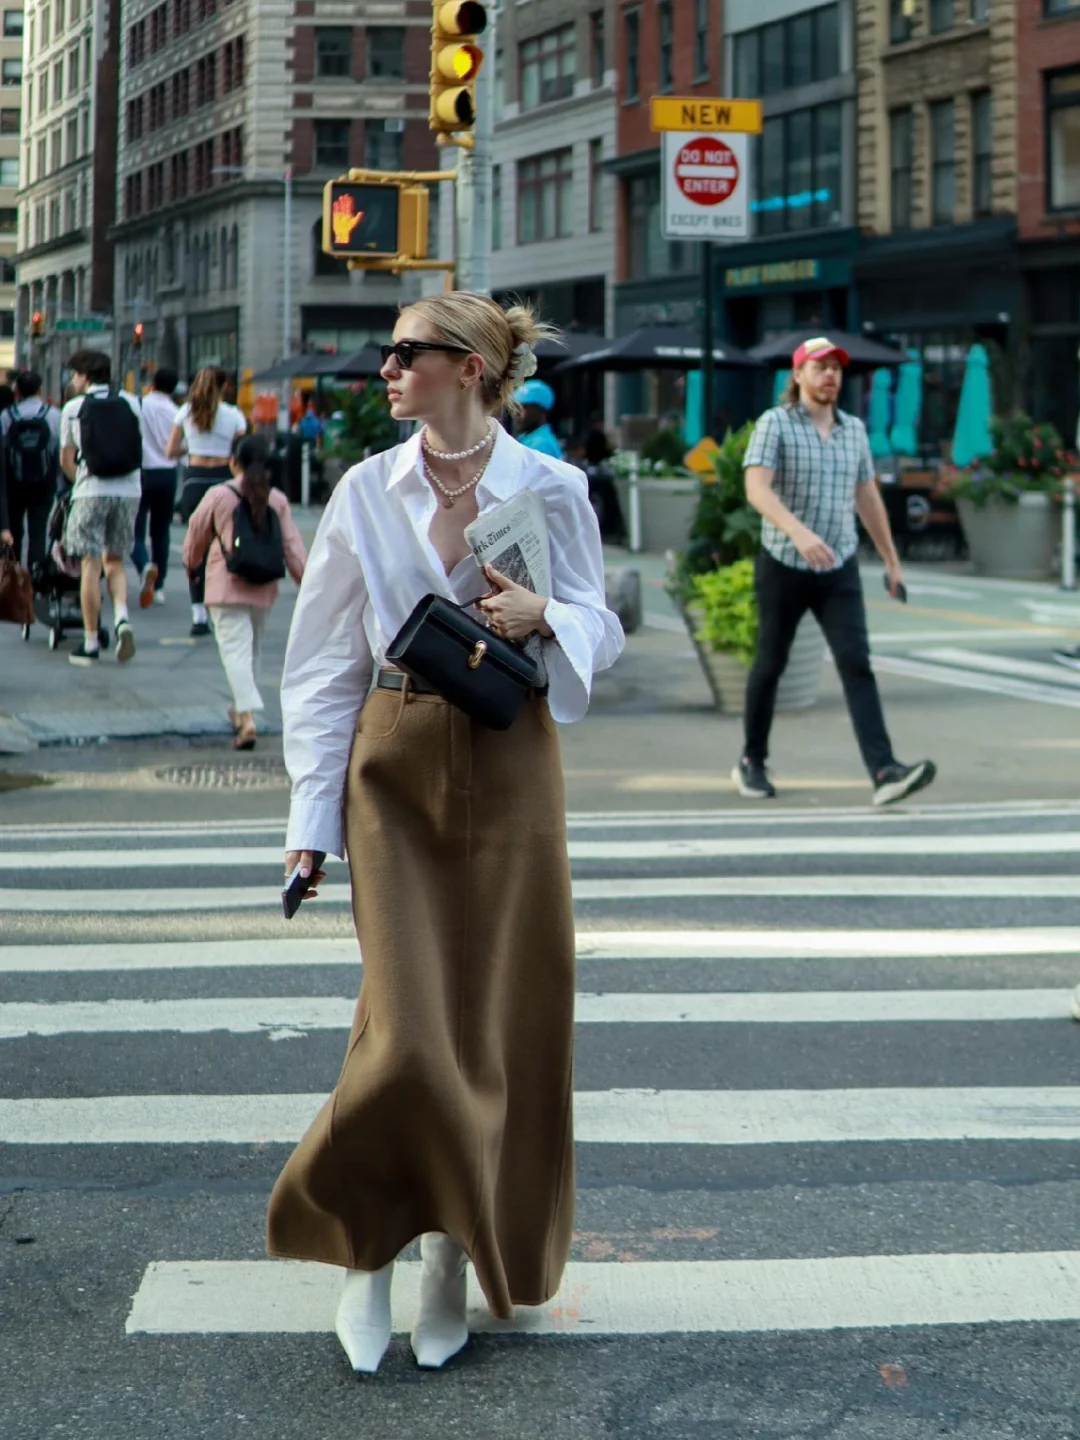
column 1026, row 457
column 729, row 609
column 665, row 448
column 726, row 526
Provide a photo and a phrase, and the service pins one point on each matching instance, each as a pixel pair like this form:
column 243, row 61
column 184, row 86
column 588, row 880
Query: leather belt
column 395, row 680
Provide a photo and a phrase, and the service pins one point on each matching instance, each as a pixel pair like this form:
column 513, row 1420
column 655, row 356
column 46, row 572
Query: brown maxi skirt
column 453, row 1110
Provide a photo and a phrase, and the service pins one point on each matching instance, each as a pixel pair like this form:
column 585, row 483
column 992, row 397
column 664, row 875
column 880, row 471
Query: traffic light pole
column 473, row 198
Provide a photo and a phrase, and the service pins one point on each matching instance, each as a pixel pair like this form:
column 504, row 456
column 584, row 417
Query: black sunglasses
column 407, row 350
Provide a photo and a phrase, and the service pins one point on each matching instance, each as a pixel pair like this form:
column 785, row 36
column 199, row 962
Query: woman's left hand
column 513, row 612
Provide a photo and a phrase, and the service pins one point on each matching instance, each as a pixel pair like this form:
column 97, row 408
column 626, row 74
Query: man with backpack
column 101, row 453
column 30, row 431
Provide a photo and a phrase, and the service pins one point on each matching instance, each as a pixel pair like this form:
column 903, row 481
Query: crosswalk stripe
column 603, row 1117
column 283, row 1017
column 1001, row 665
column 808, row 887
column 250, row 1297
column 616, row 945
column 972, row 680
column 697, row 847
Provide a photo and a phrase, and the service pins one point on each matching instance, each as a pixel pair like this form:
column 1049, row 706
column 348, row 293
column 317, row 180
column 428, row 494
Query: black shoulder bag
column 482, row 674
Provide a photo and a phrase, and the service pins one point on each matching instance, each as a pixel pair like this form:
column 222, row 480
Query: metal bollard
column 1068, row 535
column 634, row 498
column 305, row 475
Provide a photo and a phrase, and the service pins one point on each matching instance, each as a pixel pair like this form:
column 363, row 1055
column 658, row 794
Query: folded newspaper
column 513, row 539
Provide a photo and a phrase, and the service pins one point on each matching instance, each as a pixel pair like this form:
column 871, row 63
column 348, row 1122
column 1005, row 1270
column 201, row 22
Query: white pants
column 238, row 630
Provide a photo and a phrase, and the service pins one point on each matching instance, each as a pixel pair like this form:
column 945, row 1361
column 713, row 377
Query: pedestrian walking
column 159, row 412
column 241, row 531
column 101, row 453
column 537, row 399
column 205, row 426
column 452, row 1115
column 808, row 472
column 30, row 437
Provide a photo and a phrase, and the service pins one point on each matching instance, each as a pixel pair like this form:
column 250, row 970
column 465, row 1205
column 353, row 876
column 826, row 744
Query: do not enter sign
column 705, row 186
column 707, row 170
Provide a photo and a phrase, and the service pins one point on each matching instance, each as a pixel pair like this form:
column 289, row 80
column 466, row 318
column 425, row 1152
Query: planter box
column 668, row 508
column 799, row 684
column 1012, row 542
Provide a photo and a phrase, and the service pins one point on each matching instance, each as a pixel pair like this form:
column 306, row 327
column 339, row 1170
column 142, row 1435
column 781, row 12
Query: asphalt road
column 829, row 1145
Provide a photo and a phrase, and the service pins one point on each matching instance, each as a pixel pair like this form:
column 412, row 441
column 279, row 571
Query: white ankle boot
column 363, row 1317
column 440, row 1330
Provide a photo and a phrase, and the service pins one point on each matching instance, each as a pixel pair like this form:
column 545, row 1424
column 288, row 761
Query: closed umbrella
column 779, row 388
column 880, row 413
column 907, row 407
column 659, row 347
column 972, row 436
column 691, row 426
column 864, row 354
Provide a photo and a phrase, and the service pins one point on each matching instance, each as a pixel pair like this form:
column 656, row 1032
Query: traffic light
column 374, row 216
column 455, row 64
column 37, row 323
column 137, row 335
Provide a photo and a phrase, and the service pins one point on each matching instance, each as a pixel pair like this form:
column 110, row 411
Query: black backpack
column 257, row 554
column 110, row 437
column 31, row 448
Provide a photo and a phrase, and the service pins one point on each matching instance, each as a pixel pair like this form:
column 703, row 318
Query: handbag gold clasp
column 479, row 651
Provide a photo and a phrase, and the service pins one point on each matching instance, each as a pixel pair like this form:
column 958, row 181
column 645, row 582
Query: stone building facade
column 12, row 21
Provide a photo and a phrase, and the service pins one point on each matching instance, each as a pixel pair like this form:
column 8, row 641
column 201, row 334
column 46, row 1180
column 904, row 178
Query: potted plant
column 712, row 583
column 666, row 489
column 1005, row 500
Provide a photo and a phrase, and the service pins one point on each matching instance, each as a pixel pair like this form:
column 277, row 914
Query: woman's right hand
column 306, row 860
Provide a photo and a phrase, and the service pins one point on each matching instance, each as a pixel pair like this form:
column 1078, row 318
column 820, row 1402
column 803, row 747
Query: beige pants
column 238, row 630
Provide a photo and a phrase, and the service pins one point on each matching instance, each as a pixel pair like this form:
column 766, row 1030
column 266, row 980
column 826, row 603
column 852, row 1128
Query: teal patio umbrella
column 880, row 413
column 972, row 435
column 691, row 426
column 907, row 407
column 780, row 385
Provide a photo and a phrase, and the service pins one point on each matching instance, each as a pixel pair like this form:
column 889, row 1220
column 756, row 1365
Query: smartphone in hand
column 901, row 591
column 297, row 885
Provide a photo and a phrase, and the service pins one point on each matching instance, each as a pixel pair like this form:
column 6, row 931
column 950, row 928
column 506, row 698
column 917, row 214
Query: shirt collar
column 838, row 414
column 501, row 478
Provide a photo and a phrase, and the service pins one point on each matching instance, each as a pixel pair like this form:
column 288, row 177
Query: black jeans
column 198, row 479
column 836, row 600
column 155, row 509
column 28, row 513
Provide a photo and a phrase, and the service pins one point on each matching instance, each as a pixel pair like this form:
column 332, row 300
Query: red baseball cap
column 817, row 349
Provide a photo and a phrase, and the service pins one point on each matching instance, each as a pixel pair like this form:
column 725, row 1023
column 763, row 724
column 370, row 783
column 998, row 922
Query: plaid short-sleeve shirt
column 815, row 478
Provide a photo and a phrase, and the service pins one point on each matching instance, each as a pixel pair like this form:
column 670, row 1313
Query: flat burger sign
column 705, row 186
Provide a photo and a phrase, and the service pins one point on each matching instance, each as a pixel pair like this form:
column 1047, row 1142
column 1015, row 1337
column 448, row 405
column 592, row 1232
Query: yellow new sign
column 672, row 112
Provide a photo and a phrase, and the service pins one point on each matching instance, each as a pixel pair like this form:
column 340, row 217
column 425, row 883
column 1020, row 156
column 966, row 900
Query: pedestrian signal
column 37, row 323
column 137, row 335
column 378, row 216
column 455, row 64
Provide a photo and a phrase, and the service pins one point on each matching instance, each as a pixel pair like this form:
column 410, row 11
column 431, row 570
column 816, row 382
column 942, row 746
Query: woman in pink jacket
column 239, row 609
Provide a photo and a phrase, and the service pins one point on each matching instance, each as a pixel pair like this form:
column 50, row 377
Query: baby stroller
column 56, row 582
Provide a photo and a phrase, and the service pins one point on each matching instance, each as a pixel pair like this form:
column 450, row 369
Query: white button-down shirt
column 370, row 564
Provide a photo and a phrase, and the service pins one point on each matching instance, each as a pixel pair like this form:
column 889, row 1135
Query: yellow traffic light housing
column 372, row 217
column 455, row 64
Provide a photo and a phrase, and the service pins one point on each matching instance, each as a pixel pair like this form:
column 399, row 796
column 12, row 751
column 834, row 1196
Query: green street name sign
column 89, row 323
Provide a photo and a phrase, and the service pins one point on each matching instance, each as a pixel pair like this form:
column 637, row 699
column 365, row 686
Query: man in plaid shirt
column 808, row 471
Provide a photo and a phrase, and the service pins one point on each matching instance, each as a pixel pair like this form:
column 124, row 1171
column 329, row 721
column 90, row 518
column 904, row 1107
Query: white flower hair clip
column 522, row 364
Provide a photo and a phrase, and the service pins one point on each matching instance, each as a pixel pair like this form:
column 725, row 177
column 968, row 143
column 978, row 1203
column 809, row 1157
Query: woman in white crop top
column 205, row 427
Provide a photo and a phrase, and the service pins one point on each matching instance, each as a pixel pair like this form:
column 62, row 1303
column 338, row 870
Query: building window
column 496, row 207
column 9, row 122
column 73, row 71
column 665, row 24
column 1059, row 7
column 748, row 64
column 701, row 38
column 58, row 82
column 1063, row 137
column 181, row 94
column 648, row 254
column 982, row 199
column 9, row 220
column 548, row 67
column 9, row 172
column 899, row 22
column 980, row 10
column 333, row 54
column 43, row 92
column 597, row 53
column 13, row 24
column 800, row 171
column 596, row 185
column 943, row 162
column 901, row 134
column 545, row 194
column 788, row 53
column 11, row 72
column 942, row 16
column 73, row 138
column 386, row 52
column 332, row 144
column 632, row 22
column 58, row 10
column 42, row 158
column 181, row 16
column 233, row 64
column 382, row 147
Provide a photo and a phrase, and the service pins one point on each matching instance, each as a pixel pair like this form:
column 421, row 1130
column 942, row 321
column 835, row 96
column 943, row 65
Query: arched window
column 223, row 260
column 325, row 265
column 234, row 257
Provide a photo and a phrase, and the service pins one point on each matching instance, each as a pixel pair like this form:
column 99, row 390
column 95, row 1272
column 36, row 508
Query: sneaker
column 1071, row 658
column 200, row 627
column 149, row 582
column 159, row 597
column 125, row 641
column 898, row 781
column 751, row 780
column 1075, row 1006
column 83, row 656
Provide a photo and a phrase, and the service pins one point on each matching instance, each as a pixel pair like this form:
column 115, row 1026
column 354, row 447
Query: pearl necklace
column 458, row 454
column 449, row 496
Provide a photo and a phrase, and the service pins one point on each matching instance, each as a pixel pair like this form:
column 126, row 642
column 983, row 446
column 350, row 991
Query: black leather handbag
column 443, row 647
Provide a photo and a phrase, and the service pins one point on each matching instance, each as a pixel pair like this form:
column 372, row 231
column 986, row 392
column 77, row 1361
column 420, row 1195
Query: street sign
column 706, row 187
column 87, row 325
column 671, row 112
